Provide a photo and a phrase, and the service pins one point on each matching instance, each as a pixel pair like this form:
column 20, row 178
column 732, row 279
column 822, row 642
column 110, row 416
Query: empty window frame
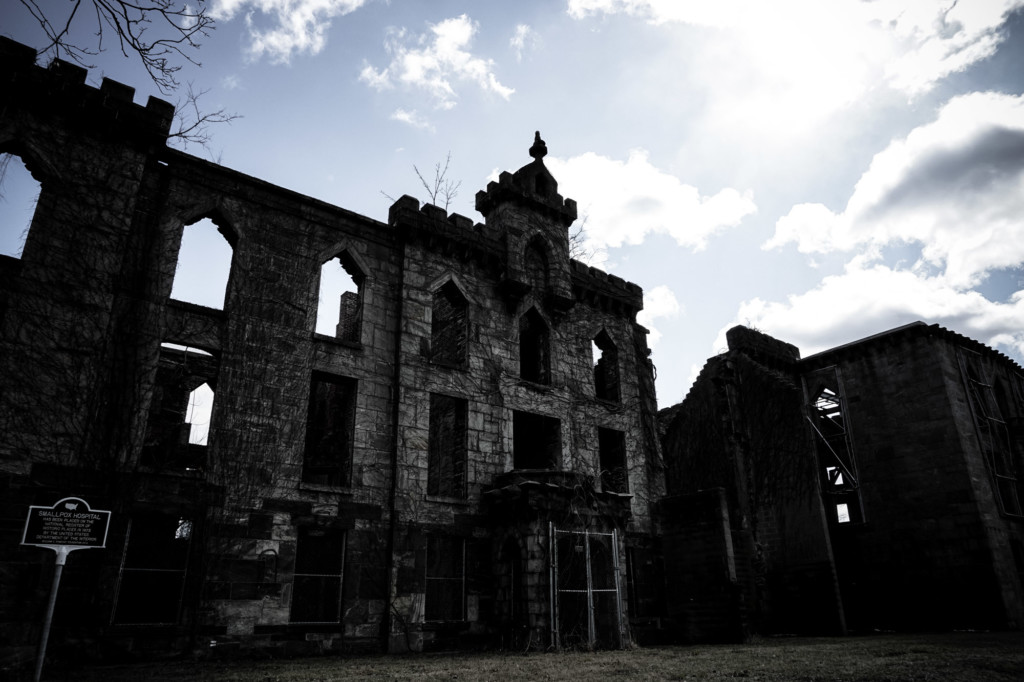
column 181, row 409
column 151, row 582
column 535, row 263
column 836, row 463
column 204, row 264
column 445, row 579
column 330, row 429
column 449, row 325
column 994, row 407
column 19, row 195
column 319, row 571
column 611, row 445
column 446, row 455
column 534, row 348
column 606, row 367
column 340, row 309
column 536, row 441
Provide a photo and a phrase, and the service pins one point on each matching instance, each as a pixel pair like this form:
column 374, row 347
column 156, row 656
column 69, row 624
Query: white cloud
column 626, row 200
column 294, row 26
column 867, row 299
column 658, row 302
column 523, row 37
column 434, row 60
column 411, row 118
column 783, row 67
column 231, row 82
column 955, row 186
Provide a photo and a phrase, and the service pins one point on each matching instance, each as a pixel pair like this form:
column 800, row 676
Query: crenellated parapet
column 451, row 234
column 600, row 289
column 61, row 90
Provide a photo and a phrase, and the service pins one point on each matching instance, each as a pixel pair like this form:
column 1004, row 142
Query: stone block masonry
column 357, row 490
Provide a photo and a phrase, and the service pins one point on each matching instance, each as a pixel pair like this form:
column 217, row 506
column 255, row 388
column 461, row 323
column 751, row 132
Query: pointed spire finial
column 539, row 150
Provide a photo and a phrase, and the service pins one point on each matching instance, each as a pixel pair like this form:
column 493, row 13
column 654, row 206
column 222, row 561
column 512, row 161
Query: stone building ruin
column 873, row 486
column 470, row 454
column 451, row 467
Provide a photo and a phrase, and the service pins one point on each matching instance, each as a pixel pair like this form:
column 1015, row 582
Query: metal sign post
column 66, row 526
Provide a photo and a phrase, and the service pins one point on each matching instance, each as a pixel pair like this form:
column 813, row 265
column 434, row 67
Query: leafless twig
column 157, row 31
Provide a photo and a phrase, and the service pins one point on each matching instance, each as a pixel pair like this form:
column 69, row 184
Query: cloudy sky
column 821, row 171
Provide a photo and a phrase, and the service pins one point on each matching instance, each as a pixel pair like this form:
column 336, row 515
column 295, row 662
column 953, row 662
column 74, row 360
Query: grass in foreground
column 957, row 656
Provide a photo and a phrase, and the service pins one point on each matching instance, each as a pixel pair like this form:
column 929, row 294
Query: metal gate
column 586, row 601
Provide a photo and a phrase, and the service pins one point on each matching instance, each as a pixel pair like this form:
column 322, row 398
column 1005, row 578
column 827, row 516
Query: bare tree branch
column 191, row 124
column 442, row 187
column 157, row 31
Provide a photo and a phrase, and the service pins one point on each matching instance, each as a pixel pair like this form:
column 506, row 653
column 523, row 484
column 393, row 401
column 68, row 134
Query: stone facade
column 431, row 476
column 877, row 485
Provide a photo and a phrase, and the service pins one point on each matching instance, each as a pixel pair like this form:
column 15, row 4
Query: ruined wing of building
column 469, row 454
column 874, row 486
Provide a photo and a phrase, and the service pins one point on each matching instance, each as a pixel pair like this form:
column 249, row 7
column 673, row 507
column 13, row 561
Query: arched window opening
column 339, row 311
column 204, row 265
column 535, row 262
column 534, row 348
column 606, row 367
column 448, row 325
column 19, row 194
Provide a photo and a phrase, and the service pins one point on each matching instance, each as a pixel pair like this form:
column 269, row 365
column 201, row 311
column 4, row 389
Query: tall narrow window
column 19, row 194
column 612, row 451
column 606, row 367
column 448, row 325
column 177, row 428
column 535, row 262
column 200, row 408
column 152, row 578
column 319, row 562
column 536, row 441
column 204, row 264
column 445, row 578
column 446, row 465
column 992, row 409
column 329, row 431
column 340, row 310
column 534, row 348
column 837, row 466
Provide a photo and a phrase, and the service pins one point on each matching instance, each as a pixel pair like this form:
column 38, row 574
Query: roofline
column 917, row 327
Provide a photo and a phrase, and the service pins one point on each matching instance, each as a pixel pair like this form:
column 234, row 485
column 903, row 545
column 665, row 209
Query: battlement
column 407, row 209
column 590, row 282
column 517, row 189
column 109, row 109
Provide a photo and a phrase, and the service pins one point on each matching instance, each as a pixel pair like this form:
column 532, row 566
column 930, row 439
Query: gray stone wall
column 87, row 380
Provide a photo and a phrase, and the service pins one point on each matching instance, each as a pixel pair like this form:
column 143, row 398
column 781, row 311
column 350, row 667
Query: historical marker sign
column 65, row 527
column 69, row 523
